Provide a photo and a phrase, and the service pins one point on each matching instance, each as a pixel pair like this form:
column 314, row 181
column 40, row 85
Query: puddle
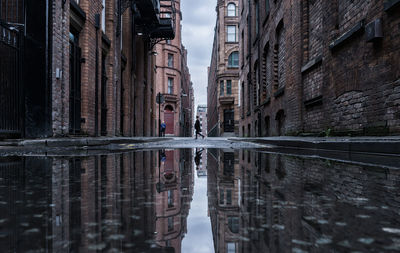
column 197, row 200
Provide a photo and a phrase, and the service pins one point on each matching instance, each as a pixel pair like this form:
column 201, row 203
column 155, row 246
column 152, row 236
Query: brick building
column 84, row 70
column 174, row 190
column 173, row 82
column 201, row 112
column 223, row 73
column 320, row 67
column 224, row 199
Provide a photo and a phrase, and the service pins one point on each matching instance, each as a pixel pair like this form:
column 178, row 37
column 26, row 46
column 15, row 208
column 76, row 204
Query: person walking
column 162, row 128
column 197, row 127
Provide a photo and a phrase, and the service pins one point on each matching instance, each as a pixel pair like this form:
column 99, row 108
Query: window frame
column 170, row 60
column 221, row 88
column 228, row 87
column 232, row 60
column 229, row 33
column 229, row 11
column 170, row 89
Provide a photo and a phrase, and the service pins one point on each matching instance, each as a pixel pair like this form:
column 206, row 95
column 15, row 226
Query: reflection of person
column 197, row 127
column 163, row 126
column 197, row 157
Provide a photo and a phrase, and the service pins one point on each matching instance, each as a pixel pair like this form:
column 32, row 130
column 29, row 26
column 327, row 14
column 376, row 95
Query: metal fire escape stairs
column 154, row 19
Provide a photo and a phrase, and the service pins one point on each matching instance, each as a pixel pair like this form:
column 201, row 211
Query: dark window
column 233, row 224
column 233, row 60
column 229, row 87
column 221, row 88
column 170, row 60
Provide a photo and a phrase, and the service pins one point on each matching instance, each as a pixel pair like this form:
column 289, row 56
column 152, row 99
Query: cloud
column 197, row 36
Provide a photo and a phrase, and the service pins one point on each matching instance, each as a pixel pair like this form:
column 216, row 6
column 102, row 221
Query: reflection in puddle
column 246, row 201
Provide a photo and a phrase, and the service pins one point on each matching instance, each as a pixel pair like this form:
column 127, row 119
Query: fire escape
column 154, row 19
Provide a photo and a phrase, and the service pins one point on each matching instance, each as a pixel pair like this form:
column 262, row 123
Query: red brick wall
column 357, row 82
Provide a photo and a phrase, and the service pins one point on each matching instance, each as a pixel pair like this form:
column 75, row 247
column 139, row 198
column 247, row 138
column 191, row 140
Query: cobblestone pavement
column 181, row 142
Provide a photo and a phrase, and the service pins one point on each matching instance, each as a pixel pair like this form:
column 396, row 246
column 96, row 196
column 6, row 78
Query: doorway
column 169, row 119
column 229, row 120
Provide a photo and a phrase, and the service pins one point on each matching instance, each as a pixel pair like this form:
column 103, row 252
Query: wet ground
column 215, row 198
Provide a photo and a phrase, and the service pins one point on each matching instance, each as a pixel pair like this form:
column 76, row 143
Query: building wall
column 219, row 99
column 129, row 72
column 201, row 112
column 180, row 75
column 310, row 68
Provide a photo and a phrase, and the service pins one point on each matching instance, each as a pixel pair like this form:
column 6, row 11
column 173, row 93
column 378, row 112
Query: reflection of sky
column 199, row 235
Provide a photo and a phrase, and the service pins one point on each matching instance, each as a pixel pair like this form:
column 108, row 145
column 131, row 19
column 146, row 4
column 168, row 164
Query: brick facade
column 223, row 73
column 94, row 69
column 319, row 74
column 173, row 81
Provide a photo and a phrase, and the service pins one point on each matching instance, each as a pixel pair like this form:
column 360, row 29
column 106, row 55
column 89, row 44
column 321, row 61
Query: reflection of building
column 173, row 81
column 173, row 197
column 224, row 199
column 223, row 73
column 200, row 161
column 83, row 204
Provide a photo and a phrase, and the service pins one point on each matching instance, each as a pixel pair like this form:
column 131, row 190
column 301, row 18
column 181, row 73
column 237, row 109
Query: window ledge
column 358, row 28
column 279, row 92
column 231, row 42
column 391, row 5
column 266, row 18
column 313, row 102
column 311, row 64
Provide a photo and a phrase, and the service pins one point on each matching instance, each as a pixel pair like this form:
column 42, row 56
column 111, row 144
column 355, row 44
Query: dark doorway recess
column 229, row 121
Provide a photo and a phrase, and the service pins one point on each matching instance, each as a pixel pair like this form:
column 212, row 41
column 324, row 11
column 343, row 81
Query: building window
column 170, row 223
column 221, row 197
column 170, row 60
column 170, row 85
column 228, row 197
column 231, row 246
column 267, row 6
column 221, row 88
column 257, row 11
column 233, row 60
column 103, row 16
column 231, row 33
column 170, row 198
column 231, row 10
column 233, row 224
column 229, row 87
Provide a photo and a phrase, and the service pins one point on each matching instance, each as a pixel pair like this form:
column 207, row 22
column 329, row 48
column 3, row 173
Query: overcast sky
column 197, row 36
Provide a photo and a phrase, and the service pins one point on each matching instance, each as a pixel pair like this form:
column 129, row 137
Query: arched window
column 231, row 10
column 233, row 60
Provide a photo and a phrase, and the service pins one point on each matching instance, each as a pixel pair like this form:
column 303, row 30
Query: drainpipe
column 96, row 90
column 133, row 65
column 250, row 57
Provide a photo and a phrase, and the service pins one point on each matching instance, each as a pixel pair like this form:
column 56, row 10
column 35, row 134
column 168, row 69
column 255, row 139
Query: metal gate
column 11, row 112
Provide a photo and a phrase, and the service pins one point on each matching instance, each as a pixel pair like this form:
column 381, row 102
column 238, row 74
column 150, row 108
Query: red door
column 169, row 121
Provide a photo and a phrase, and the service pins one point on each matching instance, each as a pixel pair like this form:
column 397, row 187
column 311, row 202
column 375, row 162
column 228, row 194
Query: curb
column 384, row 147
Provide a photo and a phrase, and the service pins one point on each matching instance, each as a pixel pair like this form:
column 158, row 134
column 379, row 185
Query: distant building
column 223, row 73
column 173, row 82
column 202, row 114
